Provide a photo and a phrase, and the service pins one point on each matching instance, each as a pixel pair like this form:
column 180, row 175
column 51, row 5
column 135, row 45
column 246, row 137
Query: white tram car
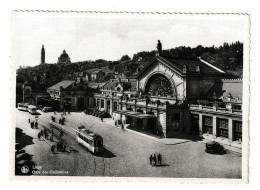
column 93, row 142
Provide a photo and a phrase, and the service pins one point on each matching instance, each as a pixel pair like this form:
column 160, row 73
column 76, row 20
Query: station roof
column 191, row 64
column 135, row 114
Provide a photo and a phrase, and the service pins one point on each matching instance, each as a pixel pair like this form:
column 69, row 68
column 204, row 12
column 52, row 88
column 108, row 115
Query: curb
column 155, row 139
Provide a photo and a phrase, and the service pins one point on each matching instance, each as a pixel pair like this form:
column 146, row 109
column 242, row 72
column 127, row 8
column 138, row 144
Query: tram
column 32, row 109
column 93, row 142
column 23, row 106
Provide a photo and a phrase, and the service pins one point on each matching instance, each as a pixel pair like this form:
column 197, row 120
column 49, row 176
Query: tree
column 125, row 58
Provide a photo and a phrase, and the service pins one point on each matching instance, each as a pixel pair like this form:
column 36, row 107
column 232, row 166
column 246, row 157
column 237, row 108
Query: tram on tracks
column 93, row 142
column 23, row 106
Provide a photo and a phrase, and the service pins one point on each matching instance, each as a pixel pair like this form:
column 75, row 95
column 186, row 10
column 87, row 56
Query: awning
column 134, row 114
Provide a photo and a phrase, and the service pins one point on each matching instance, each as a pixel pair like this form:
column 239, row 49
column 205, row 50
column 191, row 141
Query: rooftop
column 63, row 84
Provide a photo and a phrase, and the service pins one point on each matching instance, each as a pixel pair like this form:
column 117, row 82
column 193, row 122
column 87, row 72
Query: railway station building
column 174, row 96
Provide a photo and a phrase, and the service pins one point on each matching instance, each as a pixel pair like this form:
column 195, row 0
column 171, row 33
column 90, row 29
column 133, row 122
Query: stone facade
column 72, row 95
column 167, row 89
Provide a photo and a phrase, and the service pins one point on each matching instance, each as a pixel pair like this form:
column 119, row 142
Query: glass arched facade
column 159, row 85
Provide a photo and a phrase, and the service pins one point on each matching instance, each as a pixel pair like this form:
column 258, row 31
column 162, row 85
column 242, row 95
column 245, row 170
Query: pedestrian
column 39, row 135
column 159, row 159
column 154, row 160
column 58, row 146
column 52, row 148
column 29, row 120
column 151, row 159
column 36, row 125
column 45, row 133
column 101, row 118
column 122, row 125
column 32, row 124
column 51, row 138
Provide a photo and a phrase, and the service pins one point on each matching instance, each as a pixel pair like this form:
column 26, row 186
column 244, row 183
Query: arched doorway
column 159, row 85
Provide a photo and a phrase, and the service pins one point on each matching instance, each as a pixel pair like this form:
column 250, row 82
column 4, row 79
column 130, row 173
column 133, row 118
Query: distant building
column 113, row 92
column 27, row 92
column 98, row 76
column 55, row 90
column 72, row 95
column 42, row 55
column 64, row 58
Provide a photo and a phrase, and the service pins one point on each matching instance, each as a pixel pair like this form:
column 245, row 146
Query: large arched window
column 159, row 85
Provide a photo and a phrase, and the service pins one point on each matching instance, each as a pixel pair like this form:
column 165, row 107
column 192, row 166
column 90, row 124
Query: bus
column 93, row 142
column 32, row 109
column 23, row 106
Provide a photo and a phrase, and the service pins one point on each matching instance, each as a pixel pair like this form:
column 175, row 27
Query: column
column 105, row 105
column 214, row 130
column 111, row 107
column 200, row 125
column 230, row 129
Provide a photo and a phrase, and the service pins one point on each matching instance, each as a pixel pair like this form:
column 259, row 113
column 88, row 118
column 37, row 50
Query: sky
column 110, row 36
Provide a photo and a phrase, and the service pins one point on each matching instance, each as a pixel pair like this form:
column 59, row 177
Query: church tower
column 43, row 55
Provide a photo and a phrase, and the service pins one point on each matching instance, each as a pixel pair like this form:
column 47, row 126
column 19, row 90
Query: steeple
column 43, row 55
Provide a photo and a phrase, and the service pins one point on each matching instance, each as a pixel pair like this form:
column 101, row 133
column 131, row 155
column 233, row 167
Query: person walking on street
column 159, row 159
column 154, row 160
column 29, row 120
column 45, row 133
column 39, row 135
column 151, row 159
column 36, row 125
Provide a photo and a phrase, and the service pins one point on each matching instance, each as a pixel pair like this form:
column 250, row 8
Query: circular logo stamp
column 25, row 169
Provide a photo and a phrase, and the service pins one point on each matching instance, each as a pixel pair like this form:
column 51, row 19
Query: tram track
column 76, row 164
column 52, row 125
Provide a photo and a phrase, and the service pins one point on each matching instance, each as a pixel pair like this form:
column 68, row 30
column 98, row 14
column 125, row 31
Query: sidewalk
column 166, row 141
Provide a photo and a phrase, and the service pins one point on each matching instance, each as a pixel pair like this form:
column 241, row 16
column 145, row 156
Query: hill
column 228, row 57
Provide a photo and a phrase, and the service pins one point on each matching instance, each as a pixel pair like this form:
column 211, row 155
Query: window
column 98, row 143
column 222, row 127
column 208, row 125
column 237, row 130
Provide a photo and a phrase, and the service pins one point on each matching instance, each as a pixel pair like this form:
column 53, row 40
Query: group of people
column 61, row 121
column 43, row 133
column 34, row 125
column 61, row 147
column 155, row 160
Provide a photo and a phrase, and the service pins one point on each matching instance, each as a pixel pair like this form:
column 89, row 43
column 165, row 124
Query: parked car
column 22, row 156
column 19, row 151
column 213, row 147
column 47, row 109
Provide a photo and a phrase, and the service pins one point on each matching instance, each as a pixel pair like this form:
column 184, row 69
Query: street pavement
column 126, row 154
